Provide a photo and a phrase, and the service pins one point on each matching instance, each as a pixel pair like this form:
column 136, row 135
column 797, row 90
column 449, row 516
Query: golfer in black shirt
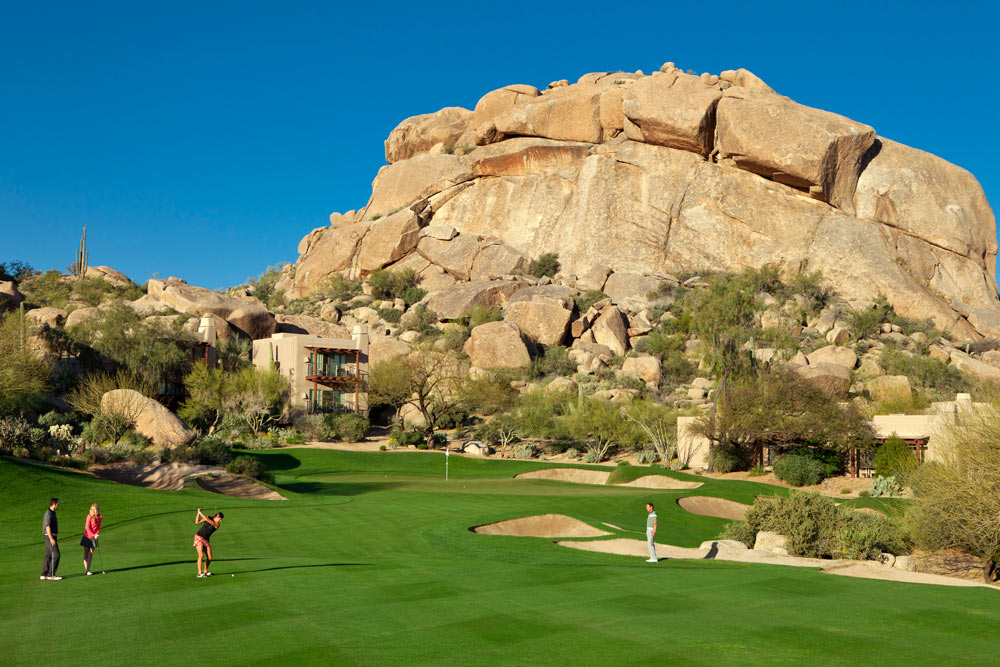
column 50, row 532
column 201, row 540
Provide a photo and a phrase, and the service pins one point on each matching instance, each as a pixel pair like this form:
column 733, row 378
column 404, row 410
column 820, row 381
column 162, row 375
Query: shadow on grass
column 298, row 567
column 165, row 564
column 335, row 488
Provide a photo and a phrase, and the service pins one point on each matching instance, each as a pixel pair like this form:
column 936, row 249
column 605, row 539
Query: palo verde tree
column 958, row 494
column 430, row 382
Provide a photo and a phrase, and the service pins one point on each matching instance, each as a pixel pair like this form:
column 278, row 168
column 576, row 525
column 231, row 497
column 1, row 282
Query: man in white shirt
column 651, row 532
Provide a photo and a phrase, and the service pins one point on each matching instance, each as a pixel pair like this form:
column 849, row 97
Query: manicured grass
column 371, row 562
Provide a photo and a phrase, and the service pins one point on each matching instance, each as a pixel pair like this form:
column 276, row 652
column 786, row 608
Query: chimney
column 206, row 330
column 360, row 336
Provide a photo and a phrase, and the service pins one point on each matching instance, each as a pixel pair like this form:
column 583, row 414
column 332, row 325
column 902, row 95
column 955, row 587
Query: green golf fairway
column 371, row 561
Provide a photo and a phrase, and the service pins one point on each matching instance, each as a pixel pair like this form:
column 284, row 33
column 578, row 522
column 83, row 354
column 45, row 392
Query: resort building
column 921, row 432
column 326, row 374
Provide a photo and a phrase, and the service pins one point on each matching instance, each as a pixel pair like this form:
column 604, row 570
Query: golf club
column 97, row 546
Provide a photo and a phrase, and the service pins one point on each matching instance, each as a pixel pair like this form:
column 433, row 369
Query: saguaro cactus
column 80, row 265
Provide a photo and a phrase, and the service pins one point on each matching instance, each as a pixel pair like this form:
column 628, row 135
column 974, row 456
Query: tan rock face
column 153, row 421
column 675, row 110
column 312, row 326
column 388, row 239
column 646, row 368
column 497, row 260
column 571, row 113
column 611, row 329
column 10, row 297
column 832, row 354
column 108, row 274
column 252, row 320
column 460, row 298
column 761, row 180
column 889, row 387
column 809, row 149
column 543, row 319
column 420, row 133
column 46, row 315
column 831, row 378
column 497, row 345
column 383, row 348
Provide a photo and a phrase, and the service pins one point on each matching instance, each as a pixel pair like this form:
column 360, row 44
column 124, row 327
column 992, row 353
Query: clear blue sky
column 203, row 140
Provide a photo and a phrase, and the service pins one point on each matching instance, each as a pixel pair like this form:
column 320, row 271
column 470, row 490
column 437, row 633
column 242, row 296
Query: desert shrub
column 547, row 264
column 14, row 433
column 16, row 270
column 588, row 299
column 739, row 531
column 572, row 452
column 452, row 339
column 727, row 458
column 526, row 451
column 249, row 466
column 413, row 294
column 339, row 288
column 894, row 459
column 261, row 441
column 348, row 427
column 212, row 450
column 295, row 438
column 592, row 456
column 869, row 322
column 554, row 360
column 311, row 426
column 405, row 438
column 810, row 285
column 864, row 536
column 263, row 285
column 387, row 284
column 54, row 418
column 927, row 372
column 831, row 460
column 799, row 470
column 420, row 318
column 985, row 345
column 808, row 520
column 646, row 456
column 391, row 315
column 480, row 315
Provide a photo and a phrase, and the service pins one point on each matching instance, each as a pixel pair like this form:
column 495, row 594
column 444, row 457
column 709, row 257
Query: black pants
column 51, row 561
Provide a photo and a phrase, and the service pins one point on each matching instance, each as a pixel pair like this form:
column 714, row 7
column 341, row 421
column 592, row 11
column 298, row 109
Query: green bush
column 572, row 452
column 391, row 284
column 869, row 322
column 14, row 432
column 739, row 531
column 405, row 438
column 249, row 466
column 885, row 486
column 894, row 459
column 588, row 299
column 421, row 318
column 864, row 536
column 54, row 418
column 554, row 360
column 727, row 458
column 799, row 470
column 926, row 372
column 348, row 427
column 211, row 450
column 831, row 460
column 339, row 288
column 547, row 264
column 391, row 315
column 808, row 520
column 480, row 315
column 526, row 451
column 296, row 438
column 413, row 294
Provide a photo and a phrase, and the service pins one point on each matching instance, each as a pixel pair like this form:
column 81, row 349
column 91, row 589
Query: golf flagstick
column 447, row 452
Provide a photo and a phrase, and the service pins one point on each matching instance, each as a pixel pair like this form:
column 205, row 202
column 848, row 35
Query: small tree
column 957, row 496
column 256, row 397
column 430, row 382
column 207, row 397
column 547, row 264
column 602, row 426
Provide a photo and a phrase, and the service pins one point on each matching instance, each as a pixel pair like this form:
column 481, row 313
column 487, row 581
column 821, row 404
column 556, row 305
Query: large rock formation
column 253, row 321
column 645, row 176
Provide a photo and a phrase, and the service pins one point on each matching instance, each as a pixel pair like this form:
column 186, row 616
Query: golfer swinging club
column 651, row 532
column 201, row 540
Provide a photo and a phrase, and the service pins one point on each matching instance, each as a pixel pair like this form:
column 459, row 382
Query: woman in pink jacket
column 91, row 529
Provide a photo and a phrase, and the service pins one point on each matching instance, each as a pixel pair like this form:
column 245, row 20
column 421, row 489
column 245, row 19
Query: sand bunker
column 580, row 476
column 661, row 482
column 171, row 476
column 543, row 525
column 729, row 550
column 239, row 487
column 166, row 476
column 577, row 475
column 717, row 507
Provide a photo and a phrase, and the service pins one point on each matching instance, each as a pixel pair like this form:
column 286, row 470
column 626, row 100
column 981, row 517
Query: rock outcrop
column 152, row 419
column 253, row 321
column 645, row 176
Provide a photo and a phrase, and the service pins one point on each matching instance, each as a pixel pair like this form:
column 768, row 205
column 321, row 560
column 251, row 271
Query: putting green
column 371, row 561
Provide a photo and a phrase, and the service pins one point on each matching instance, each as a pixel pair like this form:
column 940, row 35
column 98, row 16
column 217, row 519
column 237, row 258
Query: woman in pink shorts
column 201, row 540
